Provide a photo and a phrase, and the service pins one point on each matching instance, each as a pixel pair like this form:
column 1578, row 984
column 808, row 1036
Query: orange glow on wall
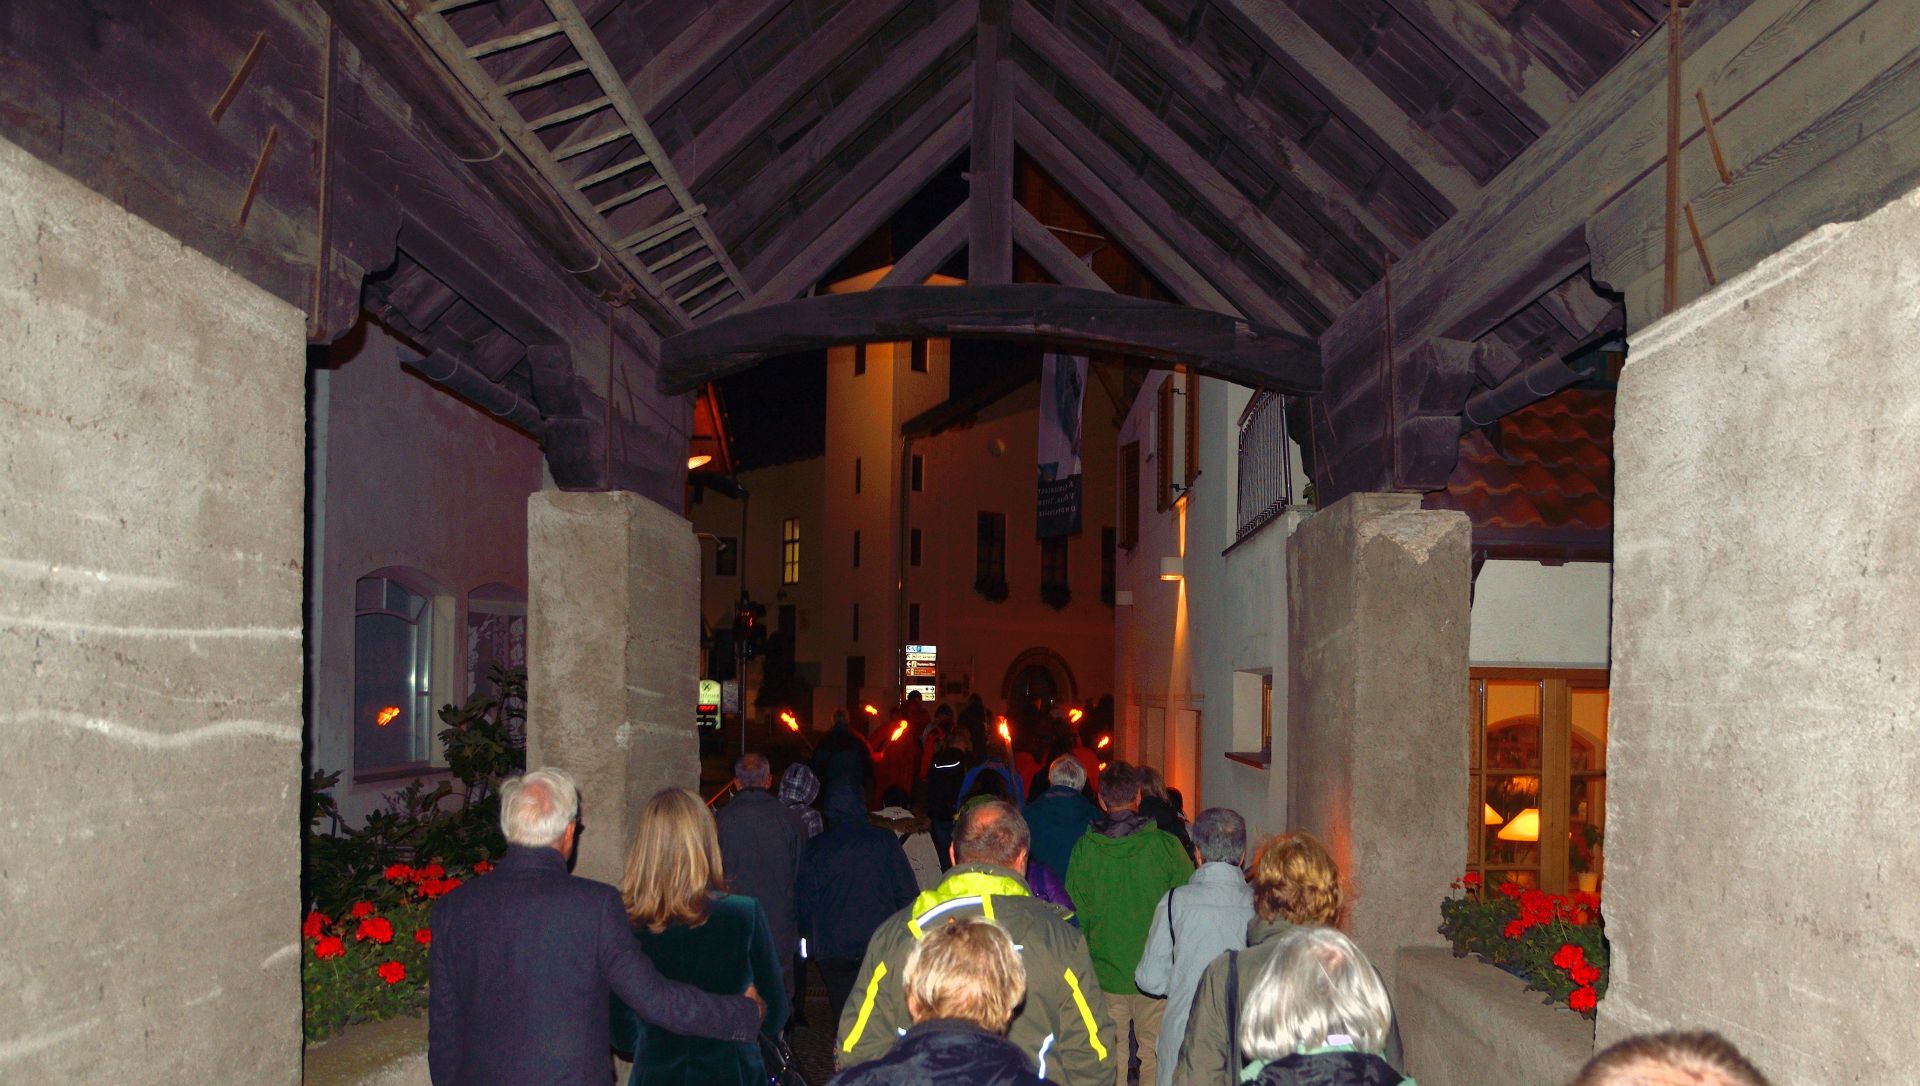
column 386, row 716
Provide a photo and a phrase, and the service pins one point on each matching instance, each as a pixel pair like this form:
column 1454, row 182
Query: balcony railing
column 1266, row 463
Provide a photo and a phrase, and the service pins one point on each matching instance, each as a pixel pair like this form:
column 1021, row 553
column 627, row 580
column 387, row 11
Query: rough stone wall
column 613, row 627
column 1765, row 754
column 1377, row 726
column 1466, row 1023
column 151, row 460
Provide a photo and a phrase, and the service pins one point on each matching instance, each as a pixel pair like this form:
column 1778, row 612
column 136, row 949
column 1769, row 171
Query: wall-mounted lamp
column 1173, row 568
column 700, row 461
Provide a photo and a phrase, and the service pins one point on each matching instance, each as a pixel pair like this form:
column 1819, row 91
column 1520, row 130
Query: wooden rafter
column 769, row 95
column 1218, row 267
column 1052, row 254
column 990, row 237
column 703, row 46
column 774, row 185
column 1324, row 293
column 1156, row 244
column 1353, row 97
column 1066, row 317
column 867, row 196
column 1254, row 132
column 930, row 252
column 1493, row 57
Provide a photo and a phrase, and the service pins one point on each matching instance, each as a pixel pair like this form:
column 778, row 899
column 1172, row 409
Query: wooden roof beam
column 770, row 95
column 866, row 197
column 990, row 178
column 774, row 185
column 1354, row 98
column 1052, row 254
column 1253, row 131
column 1090, row 77
column 1500, row 63
column 1067, row 317
column 704, row 45
column 926, row 257
column 1151, row 234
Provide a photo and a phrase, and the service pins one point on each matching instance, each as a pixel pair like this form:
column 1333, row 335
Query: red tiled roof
column 1543, row 488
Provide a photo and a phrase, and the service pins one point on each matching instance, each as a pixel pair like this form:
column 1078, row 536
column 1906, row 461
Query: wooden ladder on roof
column 597, row 152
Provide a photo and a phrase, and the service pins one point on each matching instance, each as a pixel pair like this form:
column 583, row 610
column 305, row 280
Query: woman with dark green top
column 694, row 931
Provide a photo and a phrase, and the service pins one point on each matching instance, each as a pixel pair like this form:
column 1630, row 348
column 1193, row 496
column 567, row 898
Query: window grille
column 1266, row 463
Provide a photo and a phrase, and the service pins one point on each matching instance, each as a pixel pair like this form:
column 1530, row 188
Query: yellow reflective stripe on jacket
column 873, row 992
column 1086, row 1018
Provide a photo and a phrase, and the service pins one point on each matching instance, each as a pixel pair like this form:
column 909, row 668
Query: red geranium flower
column 392, row 972
column 361, row 909
column 398, row 872
column 1570, row 955
column 330, row 947
column 483, row 867
column 1583, row 999
column 315, row 923
column 431, row 871
column 1515, row 929
column 433, row 888
column 1584, row 974
column 1471, row 878
column 1511, row 889
column 424, row 936
column 376, row 928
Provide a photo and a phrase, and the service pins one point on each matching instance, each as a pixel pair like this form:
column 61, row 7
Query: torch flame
column 386, row 716
column 1105, row 742
column 1006, row 734
column 869, row 710
column 898, row 732
column 1074, row 715
column 792, row 722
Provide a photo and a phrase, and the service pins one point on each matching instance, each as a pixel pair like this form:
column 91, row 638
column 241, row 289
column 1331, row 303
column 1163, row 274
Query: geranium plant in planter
column 1553, row 942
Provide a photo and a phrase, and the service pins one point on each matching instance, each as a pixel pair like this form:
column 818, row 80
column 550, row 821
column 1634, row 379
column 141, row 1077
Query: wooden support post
column 990, row 241
column 1713, row 138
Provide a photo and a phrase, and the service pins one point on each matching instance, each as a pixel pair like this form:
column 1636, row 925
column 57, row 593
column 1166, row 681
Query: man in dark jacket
column 1063, row 1023
column 962, row 982
column 760, row 844
column 843, row 757
column 1059, row 816
column 854, row 876
column 523, row 961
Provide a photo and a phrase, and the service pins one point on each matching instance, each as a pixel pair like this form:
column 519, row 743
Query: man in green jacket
column 1063, row 1025
column 1122, row 867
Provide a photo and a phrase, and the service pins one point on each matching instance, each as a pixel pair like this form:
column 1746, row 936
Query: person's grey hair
column 1067, row 772
column 752, row 771
column 991, row 833
column 1316, row 988
column 1220, row 835
column 537, row 807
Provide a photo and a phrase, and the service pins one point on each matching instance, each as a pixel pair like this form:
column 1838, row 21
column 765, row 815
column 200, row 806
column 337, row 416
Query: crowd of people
column 975, row 921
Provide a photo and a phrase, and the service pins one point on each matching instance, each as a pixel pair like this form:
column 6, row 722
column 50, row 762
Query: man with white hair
column 1194, row 924
column 524, row 960
column 1059, row 816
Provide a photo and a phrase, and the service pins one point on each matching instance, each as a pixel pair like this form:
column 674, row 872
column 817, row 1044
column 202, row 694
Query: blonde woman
column 694, row 931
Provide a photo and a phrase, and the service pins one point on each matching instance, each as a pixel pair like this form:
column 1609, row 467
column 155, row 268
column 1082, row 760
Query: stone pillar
column 1762, row 778
column 613, row 641
column 1377, row 707
column 152, row 437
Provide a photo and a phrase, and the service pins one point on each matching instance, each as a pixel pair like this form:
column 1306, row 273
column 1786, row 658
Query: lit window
column 1538, row 775
column 496, row 635
column 790, row 551
column 393, row 720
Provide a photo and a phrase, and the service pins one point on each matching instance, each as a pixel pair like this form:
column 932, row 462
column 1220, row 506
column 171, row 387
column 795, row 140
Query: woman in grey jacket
column 1196, row 923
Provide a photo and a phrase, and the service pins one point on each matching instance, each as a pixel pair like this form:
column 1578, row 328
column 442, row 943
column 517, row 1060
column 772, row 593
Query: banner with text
column 1063, row 387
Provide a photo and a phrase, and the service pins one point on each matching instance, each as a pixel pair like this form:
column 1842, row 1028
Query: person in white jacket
column 1196, row 923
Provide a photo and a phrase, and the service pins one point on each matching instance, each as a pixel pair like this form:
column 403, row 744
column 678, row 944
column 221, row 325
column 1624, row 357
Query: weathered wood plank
column 990, row 184
column 706, row 42
column 1065, row 317
column 1088, row 167
column 773, row 91
column 1354, row 97
column 774, row 185
column 1493, row 57
column 935, row 249
column 1053, row 256
column 1325, row 293
column 866, row 197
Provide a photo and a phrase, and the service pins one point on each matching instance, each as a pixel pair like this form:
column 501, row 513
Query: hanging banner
column 1063, row 387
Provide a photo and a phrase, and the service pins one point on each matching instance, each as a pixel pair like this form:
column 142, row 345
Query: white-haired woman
column 1317, row 1014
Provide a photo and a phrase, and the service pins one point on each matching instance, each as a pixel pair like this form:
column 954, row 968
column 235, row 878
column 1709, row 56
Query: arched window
column 393, row 721
column 496, row 634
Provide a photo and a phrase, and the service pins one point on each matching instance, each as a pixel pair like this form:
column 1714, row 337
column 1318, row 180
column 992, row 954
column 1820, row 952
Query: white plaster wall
column 1527, row 613
column 403, row 475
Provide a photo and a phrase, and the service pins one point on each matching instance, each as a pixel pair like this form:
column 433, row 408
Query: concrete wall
column 1765, row 755
column 151, row 443
column 1376, row 724
column 1534, row 615
column 1466, row 1023
column 404, row 476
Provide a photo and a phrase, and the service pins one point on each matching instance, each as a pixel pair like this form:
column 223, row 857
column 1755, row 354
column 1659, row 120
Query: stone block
column 1764, row 751
column 613, row 627
column 1376, row 714
column 152, row 441
column 1466, row 1023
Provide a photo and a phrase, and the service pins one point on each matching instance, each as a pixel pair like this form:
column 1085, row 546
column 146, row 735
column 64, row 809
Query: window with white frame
column 393, row 662
column 496, row 635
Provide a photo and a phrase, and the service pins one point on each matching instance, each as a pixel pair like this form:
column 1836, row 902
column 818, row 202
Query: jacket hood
column 845, row 807
column 1122, row 824
column 1260, row 930
column 799, row 785
column 967, row 884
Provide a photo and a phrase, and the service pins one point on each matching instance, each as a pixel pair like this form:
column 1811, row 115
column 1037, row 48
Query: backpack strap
column 1233, row 1012
column 1173, row 933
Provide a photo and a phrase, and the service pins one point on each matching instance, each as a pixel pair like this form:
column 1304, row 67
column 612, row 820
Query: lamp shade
column 1524, row 827
column 699, row 461
column 1491, row 817
column 1173, row 568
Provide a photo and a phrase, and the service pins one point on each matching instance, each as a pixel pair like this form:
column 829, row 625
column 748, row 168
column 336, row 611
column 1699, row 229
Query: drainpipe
column 450, row 373
column 1536, row 382
column 900, row 561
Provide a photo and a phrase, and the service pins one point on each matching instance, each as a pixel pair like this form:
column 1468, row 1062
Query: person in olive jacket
column 1062, row 1024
